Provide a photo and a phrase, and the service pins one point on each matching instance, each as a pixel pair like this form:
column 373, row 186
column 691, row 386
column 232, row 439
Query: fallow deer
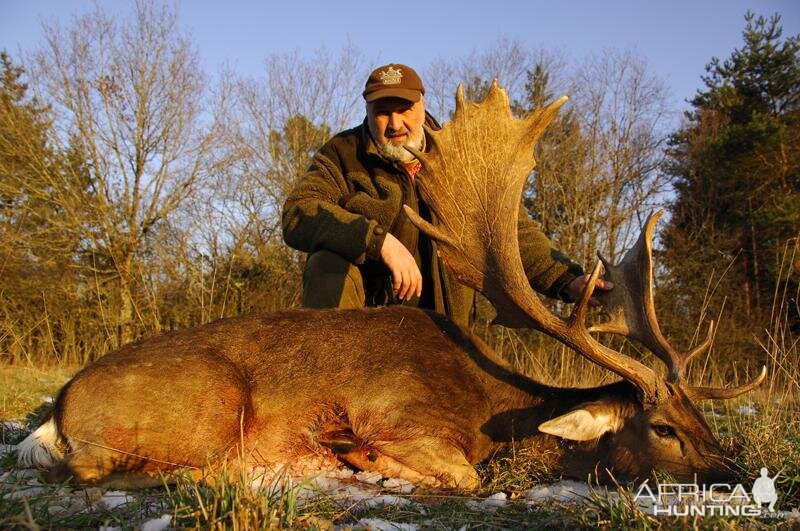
column 398, row 390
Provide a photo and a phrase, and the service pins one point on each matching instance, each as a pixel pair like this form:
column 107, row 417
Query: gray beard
column 400, row 153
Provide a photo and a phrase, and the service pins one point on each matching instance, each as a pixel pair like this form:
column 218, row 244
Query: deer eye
column 663, row 430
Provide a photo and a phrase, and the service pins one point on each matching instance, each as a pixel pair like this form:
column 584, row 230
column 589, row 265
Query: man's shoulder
column 344, row 152
column 345, row 141
column 432, row 122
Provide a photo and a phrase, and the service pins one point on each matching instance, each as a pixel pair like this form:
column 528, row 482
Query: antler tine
column 631, row 305
column 472, row 180
column 705, row 393
column 581, row 306
column 702, row 347
column 421, row 156
column 539, row 118
column 459, row 98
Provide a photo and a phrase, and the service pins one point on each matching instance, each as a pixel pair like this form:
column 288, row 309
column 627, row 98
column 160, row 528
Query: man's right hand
column 406, row 277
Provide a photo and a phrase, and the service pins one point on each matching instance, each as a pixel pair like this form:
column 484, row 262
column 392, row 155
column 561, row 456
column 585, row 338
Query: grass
column 24, row 388
column 231, row 504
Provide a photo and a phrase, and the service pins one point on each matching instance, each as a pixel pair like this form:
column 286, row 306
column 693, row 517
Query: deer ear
column 585, row 422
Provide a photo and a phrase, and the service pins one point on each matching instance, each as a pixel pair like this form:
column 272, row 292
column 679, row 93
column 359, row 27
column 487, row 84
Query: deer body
column 424, row 403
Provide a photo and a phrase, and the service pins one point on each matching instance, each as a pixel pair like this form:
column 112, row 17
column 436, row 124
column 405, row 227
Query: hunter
column 346, row 213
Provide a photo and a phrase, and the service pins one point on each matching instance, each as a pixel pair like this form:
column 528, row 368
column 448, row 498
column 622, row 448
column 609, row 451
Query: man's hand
column 575, row 288
column 406, row 277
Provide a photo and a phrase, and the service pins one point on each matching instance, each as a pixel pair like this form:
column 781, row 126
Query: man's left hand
column 576, row 288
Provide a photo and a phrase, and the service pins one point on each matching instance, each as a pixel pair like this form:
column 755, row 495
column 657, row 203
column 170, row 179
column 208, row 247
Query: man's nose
column 395, row 122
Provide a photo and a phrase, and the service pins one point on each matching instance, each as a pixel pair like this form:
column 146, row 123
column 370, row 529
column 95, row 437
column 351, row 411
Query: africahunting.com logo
column 718, row 499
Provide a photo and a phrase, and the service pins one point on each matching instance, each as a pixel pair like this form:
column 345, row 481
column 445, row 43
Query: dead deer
column 398, row 390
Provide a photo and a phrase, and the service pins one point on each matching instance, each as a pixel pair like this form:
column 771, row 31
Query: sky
column 677, row 38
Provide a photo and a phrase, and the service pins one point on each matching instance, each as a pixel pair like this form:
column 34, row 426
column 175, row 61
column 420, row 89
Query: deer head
column 474, row 189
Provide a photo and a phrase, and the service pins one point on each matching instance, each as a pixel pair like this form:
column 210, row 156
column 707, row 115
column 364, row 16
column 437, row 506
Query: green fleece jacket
column 351, row 196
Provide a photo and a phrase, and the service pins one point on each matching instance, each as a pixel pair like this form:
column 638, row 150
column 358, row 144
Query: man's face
column 394, row 123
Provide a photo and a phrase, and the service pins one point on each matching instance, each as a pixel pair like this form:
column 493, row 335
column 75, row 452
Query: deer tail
column 43, row 448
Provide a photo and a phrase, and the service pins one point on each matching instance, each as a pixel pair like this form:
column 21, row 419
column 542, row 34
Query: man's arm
column 312, row 218
column 549, row 270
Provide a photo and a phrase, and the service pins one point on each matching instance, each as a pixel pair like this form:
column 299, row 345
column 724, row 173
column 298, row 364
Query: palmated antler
column 472, row 178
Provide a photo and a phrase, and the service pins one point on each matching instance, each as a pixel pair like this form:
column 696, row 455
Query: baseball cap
column 393, row 80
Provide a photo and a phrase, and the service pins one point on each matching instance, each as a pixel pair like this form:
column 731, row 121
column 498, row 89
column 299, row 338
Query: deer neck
column 530, row 403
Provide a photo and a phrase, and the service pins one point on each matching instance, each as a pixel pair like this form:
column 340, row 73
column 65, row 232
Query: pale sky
column 676, row 37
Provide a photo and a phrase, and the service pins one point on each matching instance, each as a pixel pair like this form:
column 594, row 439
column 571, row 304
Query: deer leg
column 186, row 411
column 95, row 465
column 424, row 461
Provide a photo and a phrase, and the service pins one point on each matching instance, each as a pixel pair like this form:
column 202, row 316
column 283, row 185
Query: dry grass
column 24, row 388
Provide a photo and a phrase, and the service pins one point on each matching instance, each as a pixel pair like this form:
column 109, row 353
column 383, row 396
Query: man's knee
column 330, row 281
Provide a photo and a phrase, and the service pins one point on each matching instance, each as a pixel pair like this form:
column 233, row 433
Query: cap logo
column 391, row 76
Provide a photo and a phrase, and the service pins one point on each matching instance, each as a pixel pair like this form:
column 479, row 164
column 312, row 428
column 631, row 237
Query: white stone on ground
column 114, row 498
column 14, row 425
column 369, row 477
column 378, row 524
column 17, row 475
column 367, row 496
column 157, row 524
column 490, row 504
column 399, row 485
column 565, row 491
column 7, row 449
column 340, row 473
column 324, row 483
column 23, row 493
column 338, row 485
column 67, row 503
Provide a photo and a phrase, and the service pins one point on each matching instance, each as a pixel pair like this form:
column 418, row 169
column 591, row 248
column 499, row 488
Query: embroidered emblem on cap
column 391, row 76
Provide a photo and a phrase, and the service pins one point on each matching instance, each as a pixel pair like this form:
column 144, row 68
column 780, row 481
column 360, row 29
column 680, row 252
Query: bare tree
column 508, row 60
column 130, row 96
column 284, row 117
column 631, row 104
column 439, row 78
column 276, row 126
column 599, row 165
